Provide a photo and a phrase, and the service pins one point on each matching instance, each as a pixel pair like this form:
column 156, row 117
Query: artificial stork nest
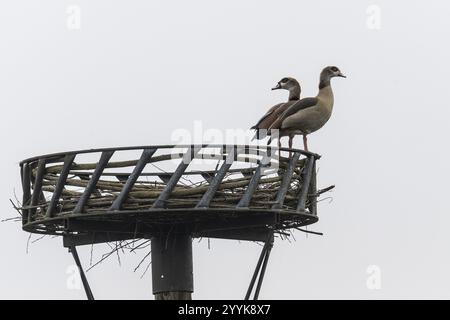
column 184, row 197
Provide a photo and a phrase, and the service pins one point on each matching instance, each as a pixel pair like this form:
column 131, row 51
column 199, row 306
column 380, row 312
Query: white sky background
column 138, row 70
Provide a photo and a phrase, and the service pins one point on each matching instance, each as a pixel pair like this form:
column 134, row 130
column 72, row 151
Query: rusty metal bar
column 171, row 184
column 37, row 187
column 68, row 160
column 26, row 190
column 307, row 173
column 145, row 157
column 101, row 165
column 253, row 184
column 215, row 182
column 282, row 191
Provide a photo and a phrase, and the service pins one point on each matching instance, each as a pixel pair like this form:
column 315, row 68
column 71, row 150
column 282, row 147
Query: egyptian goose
column 266, row 121
column 309, row 114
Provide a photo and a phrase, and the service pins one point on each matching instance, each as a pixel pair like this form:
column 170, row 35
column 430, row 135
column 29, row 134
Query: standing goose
column 266, row 121
column 309, row 114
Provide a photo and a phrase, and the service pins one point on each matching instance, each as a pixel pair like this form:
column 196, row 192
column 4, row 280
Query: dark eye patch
column 284, row 80
column 334, row 69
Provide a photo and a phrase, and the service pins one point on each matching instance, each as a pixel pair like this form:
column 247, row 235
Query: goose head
column 326, row 75
column 330, row 72
column 291, row 85
column 287, row 84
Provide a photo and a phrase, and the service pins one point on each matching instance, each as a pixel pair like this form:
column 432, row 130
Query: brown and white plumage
column 273, row 113
column 309, row 114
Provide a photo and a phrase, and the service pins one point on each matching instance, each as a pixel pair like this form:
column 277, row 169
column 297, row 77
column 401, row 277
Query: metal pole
column 172, row 270
column 263, row 271
column 256, row 272
column 86, row 286
column 260, row 270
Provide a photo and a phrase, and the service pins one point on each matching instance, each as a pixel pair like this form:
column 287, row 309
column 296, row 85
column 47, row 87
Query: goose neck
column 294, row 93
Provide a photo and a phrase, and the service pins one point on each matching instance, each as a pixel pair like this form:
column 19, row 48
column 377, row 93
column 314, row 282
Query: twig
column 146, row 269
column 36, row 240
column 142, row 260
column 28, row 242
column 319, row 192
column 105, row 256
column 15, row 207
column 11, row 219
column 140, row 245
column 92, row 251
column 307, row 231
column 327, row 198
column 292, row 235
column 15, row 196
column 117, row 252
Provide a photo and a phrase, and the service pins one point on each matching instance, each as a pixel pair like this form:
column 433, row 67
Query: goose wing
column 271, row 111
column 296, row 107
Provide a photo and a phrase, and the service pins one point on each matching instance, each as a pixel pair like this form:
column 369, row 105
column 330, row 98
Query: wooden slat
column 284, row 186
column 68, row 160
column 171, row 184
column 101, row 165
column 305, row 184
column 145, row 157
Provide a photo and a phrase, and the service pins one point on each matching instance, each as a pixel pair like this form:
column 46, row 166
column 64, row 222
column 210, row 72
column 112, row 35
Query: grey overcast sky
column 136, row 71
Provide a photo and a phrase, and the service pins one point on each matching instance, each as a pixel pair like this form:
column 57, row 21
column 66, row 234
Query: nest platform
column 221, row 191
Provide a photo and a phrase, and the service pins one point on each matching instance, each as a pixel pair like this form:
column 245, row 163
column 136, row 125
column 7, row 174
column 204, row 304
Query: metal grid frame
column 241, row 222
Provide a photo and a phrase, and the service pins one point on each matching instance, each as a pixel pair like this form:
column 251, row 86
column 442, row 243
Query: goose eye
column 284, row 80
column 334, row 69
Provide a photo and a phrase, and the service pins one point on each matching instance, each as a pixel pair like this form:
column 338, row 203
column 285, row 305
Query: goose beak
column 341, row 75
column 278, row 86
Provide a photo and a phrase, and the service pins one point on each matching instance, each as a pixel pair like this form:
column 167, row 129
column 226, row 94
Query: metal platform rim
column 303, row 213
column 82, row 151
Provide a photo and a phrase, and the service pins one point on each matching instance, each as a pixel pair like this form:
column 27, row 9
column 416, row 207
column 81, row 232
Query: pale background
column 136, row 71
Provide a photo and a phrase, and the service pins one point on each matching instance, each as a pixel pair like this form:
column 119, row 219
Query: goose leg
column 291, row 138
column 305, row 142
